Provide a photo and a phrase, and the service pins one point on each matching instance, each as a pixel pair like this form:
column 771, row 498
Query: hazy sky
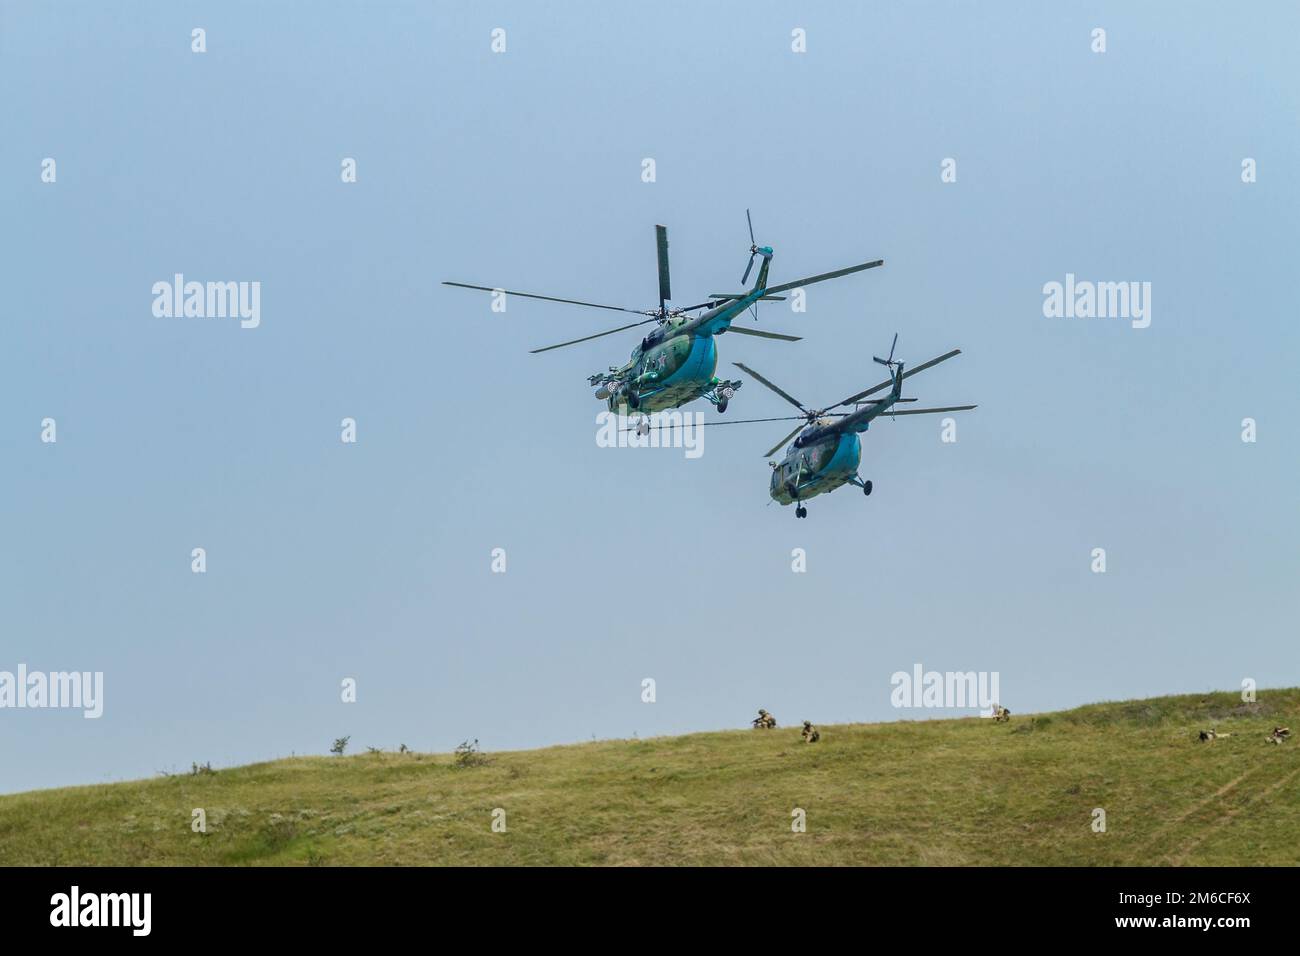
column 372, row 560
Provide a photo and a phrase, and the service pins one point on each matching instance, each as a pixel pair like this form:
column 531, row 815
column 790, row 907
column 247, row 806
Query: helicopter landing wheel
column 866, row 487
column 722, row 406
column 801, row 512
column 643, row 427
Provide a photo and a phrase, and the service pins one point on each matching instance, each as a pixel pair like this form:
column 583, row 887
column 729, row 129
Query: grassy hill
column 951, row 792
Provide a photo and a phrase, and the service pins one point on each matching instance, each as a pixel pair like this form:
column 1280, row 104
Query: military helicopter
column 827, row 451
column 675, row 363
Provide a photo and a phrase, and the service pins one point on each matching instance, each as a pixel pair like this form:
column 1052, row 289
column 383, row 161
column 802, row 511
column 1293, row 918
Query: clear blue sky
column 372, row 561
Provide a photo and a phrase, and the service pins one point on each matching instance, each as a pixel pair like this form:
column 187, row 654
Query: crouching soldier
column 810, row 733
column 764, row 720
column 1000, row 714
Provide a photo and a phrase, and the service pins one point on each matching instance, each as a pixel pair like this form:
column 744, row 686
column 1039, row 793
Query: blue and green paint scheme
column 676, row 363
column 816, row 465
column 826, row 451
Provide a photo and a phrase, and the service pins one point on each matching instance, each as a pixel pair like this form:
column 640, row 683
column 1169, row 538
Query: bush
column 468, row 754
column 340, row 745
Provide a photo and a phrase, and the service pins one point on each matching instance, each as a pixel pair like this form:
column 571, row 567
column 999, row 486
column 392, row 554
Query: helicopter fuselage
column 815, row 465
column 667, row 374
column 676, row 363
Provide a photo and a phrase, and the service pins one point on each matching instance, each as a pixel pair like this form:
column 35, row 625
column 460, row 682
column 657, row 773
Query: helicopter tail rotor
column 895, row 368
column 753, row 249
column 888, row 362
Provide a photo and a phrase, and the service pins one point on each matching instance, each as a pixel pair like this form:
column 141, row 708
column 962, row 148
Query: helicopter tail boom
column 760, row 283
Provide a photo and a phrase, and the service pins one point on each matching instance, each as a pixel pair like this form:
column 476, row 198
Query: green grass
column 950, row 792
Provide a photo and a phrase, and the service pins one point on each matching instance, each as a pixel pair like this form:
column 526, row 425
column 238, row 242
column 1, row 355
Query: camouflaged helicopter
column 675, row 363
column 827, row 452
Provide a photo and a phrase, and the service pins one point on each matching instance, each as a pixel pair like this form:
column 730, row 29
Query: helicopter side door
column 790, row 472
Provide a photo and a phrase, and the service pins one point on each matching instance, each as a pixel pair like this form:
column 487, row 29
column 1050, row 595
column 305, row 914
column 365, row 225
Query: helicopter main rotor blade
column 752, row 240
column 782, row 443
column 588, row 338
column 733, row 421
column 765, row 335
column 547, row 298
column 776, row 388
column 930, row 411
column 800, row 283
column 661, row 248
column 908, row 373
